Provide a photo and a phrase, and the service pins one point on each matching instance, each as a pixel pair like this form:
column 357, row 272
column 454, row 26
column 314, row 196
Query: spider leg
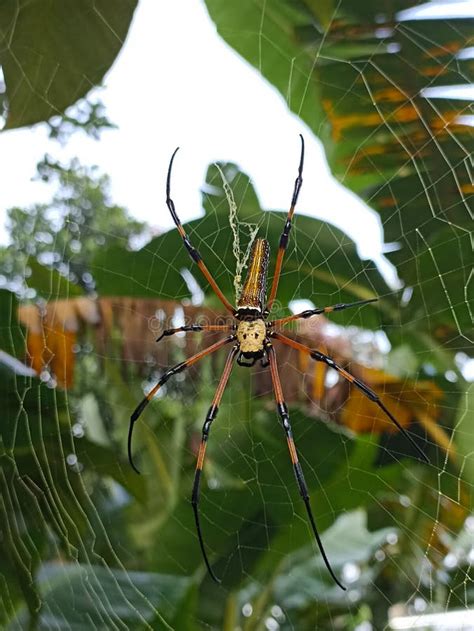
column 194, row 254
column 286, row 231
column 169, row 373
column 197, row 327
column 265, row 362
column 211, row 415
column 370, row 394
column 303, row 489
column 312, row 312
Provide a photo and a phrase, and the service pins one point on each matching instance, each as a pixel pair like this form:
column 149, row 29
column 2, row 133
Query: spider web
column 122, row 553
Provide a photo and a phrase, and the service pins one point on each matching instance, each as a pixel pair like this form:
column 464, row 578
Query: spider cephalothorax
column 251, row 337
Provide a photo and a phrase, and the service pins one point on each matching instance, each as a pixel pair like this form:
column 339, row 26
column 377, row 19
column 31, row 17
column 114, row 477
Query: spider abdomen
column 252, row 299
column 251, row 336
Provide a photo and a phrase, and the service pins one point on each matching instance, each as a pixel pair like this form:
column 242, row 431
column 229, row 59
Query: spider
column 252, row 337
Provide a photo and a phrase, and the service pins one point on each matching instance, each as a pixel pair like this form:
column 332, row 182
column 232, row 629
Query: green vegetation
column 86, row 543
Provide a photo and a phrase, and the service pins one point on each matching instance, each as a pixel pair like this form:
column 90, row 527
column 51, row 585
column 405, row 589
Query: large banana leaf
column 355, row 73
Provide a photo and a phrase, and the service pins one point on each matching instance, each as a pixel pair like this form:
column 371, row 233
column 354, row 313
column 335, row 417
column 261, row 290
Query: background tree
column 66, row 233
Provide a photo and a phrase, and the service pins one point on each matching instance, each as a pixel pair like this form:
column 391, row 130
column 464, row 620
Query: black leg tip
column 130, row 457
column 134, row 467
column 129, row 444
column 368, row 301
column 138, row 411
column 201, row 541
column 214, row 577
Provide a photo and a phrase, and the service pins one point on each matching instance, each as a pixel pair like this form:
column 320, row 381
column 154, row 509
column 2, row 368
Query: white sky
column 177, row 83
column 193, row 91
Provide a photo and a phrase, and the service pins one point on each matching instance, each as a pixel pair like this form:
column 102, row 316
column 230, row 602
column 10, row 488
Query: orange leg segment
column 169, row 373
column 211, row 415
column 194, row 254
column 286, row 231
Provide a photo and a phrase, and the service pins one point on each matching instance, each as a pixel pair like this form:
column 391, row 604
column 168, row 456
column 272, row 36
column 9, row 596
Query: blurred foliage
column 62, row 584
column 64, row 234
column 88, row 116
column 69, row 454
column 85, row 542
column 52, row 335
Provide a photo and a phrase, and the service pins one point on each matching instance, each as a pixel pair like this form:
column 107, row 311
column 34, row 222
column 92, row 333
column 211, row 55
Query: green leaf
column 357, row 82
column 301, row 585
column 49, row 283
column 53, row 52
column 321, row 263
column 105, row 462
column 240, row 520
column 259, row 460
column 328, row 484
column 347, row 541
column 323, row 10
column 90, row 596
column 464, row 435
column 24, row 477
column 12, row 337
column 35, row 442
column 440, row 275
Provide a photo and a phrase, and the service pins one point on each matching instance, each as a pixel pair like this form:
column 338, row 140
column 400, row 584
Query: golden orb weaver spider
column 252, row 335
